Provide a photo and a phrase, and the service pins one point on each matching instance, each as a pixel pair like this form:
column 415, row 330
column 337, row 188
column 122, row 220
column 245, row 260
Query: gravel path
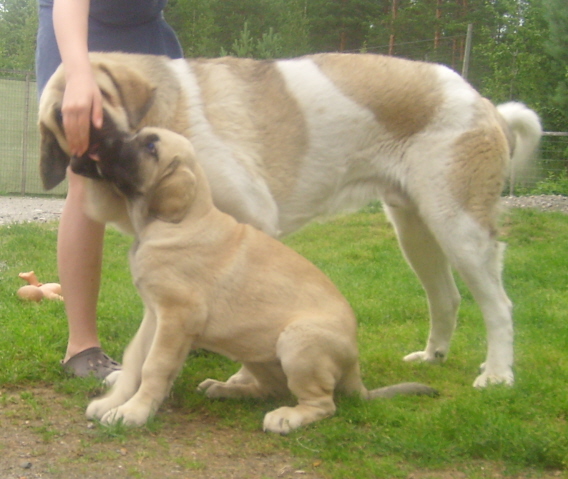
column 19, row 209
column 541, row 202
column 23, row 209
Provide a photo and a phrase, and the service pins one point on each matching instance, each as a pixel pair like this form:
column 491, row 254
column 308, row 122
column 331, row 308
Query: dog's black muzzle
column 111, row 156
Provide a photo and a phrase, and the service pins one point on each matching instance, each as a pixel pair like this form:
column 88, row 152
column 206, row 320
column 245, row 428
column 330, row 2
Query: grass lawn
column 519, row 431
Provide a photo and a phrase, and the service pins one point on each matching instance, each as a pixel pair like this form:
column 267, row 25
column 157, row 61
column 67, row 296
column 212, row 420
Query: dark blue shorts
column 132, row 26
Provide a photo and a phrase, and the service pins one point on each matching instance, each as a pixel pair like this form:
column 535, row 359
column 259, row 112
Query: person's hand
column 82, row 104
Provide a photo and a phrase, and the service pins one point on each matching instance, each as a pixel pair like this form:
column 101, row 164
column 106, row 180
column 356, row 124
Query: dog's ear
column 53, row 160
column 136, row 93
column 174, row 194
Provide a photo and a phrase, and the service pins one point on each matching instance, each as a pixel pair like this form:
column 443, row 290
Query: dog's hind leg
column 430, row 264
column 478, row 259
column 314, row 362
column 462, row 242
column 129, row 378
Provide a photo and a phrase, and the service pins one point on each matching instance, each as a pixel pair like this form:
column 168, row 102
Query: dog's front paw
column 282, row 420
column 99, row 407
column 425, row 357
column 127, row 415
column 486, row 378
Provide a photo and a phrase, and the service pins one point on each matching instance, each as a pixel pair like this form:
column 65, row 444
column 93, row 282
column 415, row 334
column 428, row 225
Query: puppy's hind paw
column 211, row 388
column 220, row 390
column 111, row 379
column 282, row 420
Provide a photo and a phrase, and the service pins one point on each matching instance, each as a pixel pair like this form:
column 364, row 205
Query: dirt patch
column 44, row 434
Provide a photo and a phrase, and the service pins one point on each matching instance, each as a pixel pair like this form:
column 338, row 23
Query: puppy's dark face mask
column 113, row 156
column 127, row 97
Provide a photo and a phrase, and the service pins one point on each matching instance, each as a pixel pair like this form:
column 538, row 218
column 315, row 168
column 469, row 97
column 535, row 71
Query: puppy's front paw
column 127, row 414
column 99, row 407
column 282, row 420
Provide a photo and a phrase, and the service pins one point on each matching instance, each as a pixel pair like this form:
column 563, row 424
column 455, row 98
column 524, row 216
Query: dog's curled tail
column 405, row 389
column 524, row 125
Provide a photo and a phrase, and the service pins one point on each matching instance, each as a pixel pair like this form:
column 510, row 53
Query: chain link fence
column 551, row 166
column 19, row 136
column 19, row 143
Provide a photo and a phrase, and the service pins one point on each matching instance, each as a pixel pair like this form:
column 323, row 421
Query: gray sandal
column 92, row 361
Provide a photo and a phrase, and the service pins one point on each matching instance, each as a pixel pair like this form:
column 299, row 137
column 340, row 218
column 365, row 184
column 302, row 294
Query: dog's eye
column 151, row 147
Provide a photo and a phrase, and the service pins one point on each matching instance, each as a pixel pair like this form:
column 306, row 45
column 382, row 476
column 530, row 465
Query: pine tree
column 557, row 45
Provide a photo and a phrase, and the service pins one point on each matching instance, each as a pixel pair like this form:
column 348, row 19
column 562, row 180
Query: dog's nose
column 58, row 116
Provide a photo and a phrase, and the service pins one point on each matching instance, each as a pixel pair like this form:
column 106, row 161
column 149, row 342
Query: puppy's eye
column 151, row 144
column 151, row 147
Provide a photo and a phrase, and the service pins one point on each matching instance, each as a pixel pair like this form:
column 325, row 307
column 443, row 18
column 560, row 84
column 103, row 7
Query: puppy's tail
column 405, row 389
column 524, row 135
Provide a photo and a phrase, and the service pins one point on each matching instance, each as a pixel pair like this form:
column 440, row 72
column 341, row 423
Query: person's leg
column 79, row 257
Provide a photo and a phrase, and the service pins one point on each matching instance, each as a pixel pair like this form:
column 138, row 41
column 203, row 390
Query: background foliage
column 520, row 46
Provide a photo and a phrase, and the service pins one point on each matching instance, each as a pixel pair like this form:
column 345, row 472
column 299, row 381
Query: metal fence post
column 25, row 134
column 512, row 182
column 467, row 52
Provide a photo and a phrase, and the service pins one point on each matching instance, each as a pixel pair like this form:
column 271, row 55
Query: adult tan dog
column 283, row 142
column 210, row 282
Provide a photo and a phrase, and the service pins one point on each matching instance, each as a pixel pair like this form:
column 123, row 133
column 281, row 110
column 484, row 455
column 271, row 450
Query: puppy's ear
column 136, row 93
column 174, row 194
column 53, row 160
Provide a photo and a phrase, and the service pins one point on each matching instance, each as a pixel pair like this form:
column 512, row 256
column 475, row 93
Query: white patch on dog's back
column 237, row 187
column 457, row 109
column 344, row 137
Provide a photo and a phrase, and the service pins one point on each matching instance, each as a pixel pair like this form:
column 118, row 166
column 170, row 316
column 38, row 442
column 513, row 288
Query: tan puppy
column 210, row 282
column 283, row 142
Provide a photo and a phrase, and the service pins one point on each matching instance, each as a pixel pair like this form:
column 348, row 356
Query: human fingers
column 77, row 108
column 97, row 109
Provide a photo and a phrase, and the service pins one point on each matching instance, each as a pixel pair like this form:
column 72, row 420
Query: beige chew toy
column 36, row 291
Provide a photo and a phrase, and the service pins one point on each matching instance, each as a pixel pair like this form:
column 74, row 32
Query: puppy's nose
column 58, row 116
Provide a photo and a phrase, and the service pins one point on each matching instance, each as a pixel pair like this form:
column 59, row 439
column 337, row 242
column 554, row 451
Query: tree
column 18, row 30
column 431, row 30
column 195, row 25
column 556, row 13
column 231, row 15
column 340, row 25
column 516, row 65
column 293, row 27
column 244, row 46
column 520, row 46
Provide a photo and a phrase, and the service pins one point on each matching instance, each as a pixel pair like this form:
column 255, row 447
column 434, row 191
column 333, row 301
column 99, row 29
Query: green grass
column 516, row 429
